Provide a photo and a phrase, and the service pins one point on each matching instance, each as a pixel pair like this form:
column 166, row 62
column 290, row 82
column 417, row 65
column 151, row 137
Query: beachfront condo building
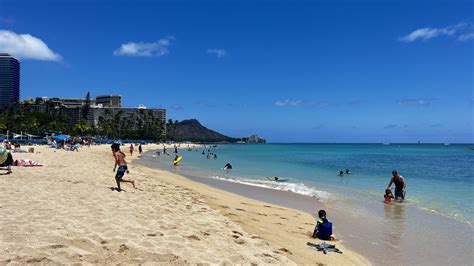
column 105, row 106
column 109, row 100
column 9, row 80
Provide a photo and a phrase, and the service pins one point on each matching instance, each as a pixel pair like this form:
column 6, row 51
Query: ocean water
column 440, row 178
column 438, row 209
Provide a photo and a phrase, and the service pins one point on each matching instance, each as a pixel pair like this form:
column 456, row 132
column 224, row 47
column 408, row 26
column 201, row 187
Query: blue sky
column 291, row 71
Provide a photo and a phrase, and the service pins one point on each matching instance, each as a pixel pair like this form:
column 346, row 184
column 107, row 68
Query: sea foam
column 298, row 188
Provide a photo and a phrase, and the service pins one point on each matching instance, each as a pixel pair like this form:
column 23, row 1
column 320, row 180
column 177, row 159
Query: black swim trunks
column 121, row 172
column 399, row 193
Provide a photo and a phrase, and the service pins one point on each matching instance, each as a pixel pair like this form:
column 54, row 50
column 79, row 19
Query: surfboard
column 175, row 162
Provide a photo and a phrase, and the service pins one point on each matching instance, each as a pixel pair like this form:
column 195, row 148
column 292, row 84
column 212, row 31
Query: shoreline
column 67, row 212
column 249, row 213
column 380, row 242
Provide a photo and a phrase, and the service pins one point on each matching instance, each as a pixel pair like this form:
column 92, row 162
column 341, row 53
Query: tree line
column 142, row 125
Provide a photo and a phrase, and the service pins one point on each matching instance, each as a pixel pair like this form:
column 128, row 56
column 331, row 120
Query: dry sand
column 66, row 212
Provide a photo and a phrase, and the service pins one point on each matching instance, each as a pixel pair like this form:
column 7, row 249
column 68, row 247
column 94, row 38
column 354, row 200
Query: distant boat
column 447, row 144
column 386, row 143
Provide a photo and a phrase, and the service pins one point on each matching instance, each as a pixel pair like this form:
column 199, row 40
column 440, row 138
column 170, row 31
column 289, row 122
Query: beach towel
column 26, row 163
column 324, row 247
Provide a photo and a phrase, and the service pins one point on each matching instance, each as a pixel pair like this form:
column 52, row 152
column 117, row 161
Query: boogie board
column 175, row 162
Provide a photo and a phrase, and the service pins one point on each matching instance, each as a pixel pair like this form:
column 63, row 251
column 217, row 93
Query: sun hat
column 3, row 155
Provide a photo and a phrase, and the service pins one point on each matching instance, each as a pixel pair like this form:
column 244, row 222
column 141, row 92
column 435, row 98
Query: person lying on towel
column 25, row 163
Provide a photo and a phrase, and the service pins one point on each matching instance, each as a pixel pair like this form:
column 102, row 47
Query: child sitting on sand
column 120, row 161
column 388, row 196
column 323, row 229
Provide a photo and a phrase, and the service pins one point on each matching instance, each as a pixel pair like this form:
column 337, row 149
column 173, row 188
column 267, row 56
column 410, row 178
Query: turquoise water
column 439, row 177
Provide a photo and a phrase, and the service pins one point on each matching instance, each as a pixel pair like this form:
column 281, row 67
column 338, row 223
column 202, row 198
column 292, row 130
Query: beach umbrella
column 62, row 137
column 3, row 155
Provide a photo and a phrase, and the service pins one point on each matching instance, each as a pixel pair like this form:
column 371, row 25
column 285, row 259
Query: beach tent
column 62, row 137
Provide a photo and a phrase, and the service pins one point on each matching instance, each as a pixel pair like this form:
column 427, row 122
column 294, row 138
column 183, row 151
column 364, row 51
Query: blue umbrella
column 62, row 137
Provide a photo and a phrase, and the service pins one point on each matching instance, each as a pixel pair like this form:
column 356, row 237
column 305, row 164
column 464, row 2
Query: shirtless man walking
column 400, row 185
column 122, row 166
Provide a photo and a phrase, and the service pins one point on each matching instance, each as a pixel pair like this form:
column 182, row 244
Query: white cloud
column 288, row 102
column 430, row 33
column 147, row 49
column 466, row 36
column 220, row 53
column 25, row 46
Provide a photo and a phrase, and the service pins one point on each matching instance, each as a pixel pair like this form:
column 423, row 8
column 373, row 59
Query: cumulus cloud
column 466, row 36
column 421, row 102
column 26, row 46
column 145, row 49
column 288, row 102
column 299, row 102
column 220, row 53
column 462, row 30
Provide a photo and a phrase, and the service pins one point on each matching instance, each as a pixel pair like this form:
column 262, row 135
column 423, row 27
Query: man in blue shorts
column 122, row 166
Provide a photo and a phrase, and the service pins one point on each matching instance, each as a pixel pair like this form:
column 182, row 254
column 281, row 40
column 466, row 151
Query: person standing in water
column 140, row 148
column 400, row 185
column 122, row 166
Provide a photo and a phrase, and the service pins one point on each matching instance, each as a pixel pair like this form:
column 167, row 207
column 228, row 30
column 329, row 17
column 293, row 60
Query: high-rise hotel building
column 9, row 80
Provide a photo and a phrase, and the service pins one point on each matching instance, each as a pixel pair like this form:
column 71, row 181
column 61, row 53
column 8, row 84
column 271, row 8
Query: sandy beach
column 67, row 212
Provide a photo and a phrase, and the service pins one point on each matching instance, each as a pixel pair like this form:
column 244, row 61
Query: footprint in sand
column 123, row 248
column 155, row 234
column 57, row 246
column 194, row 237
column 238, row 209
column 285, row 250
column 205, row 233
column 237, row 232
column 239, row 241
